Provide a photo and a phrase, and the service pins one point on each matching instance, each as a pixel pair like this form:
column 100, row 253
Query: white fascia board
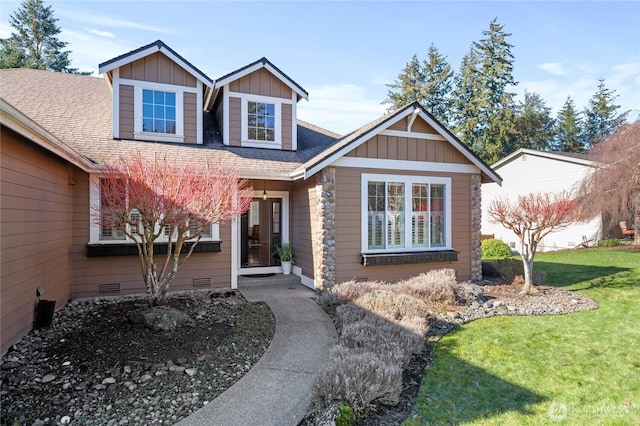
column 414, row 166
column 146, row 52
column 15, row 120
column 458, row 145
column 286, row 81
column 234, row 77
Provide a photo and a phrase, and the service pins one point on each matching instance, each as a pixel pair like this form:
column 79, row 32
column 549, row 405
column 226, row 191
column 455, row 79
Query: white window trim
column 408, row 181
column 138, row 86
column 245, row 98
column 94, row 230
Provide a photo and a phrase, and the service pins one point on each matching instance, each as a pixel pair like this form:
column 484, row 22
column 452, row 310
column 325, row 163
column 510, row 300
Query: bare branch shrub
column 358, row 380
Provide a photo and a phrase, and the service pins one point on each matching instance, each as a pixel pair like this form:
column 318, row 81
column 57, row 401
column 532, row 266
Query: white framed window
column 261, row 121
column 100, row 233
column 405, row 213
column 158, row 112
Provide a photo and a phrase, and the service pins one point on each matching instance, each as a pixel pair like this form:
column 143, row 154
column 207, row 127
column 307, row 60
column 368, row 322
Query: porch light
column 264, row 192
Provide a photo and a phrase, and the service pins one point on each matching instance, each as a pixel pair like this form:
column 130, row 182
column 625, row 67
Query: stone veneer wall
column 476, row 222
column 325, row 241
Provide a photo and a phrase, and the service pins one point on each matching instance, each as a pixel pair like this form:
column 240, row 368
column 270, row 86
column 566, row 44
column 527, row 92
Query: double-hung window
column 405, row 213
column 158, row 112
column 261, row 121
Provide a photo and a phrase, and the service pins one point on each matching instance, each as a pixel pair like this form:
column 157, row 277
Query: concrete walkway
column 277, row 390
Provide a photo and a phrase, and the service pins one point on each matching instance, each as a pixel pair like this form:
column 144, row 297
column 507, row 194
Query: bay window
column 405, row 213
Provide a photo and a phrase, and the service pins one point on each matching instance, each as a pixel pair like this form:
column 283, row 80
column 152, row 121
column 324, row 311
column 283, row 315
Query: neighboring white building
column 526, row 171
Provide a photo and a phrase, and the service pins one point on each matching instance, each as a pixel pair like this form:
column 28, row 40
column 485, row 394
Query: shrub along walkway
column 277, row 390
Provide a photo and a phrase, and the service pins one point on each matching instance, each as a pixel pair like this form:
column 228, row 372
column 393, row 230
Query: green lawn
column 576, row 369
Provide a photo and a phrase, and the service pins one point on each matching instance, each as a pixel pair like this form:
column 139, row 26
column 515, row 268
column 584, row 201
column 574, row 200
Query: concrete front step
column 257, row 280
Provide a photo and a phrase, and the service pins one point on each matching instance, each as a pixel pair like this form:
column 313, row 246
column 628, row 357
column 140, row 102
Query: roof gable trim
column 557, row 156
column 149, row 49
column 262, row 63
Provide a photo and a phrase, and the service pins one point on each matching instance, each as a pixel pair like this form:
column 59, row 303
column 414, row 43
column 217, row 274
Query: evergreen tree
column 601, row 120
column 35, row 44
column 408, row 87
column 436, row 93
column 495, row 104
column 465, row 99
column 569, row 129
column 534, row 125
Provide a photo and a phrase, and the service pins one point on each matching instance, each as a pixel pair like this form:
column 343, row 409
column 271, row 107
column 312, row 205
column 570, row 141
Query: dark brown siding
column 157, row 68
column 36, row 202
column 348, row 229
column 126, row 111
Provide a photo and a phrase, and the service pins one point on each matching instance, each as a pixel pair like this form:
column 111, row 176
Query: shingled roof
column 78, row 110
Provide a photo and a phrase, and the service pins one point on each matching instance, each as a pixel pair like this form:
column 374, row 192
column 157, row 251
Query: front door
column 261, row 233
column 258, row 233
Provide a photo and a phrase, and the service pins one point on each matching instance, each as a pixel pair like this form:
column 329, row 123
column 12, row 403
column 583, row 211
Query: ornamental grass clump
column 393, row 306
column 434, row 287
column 357, row 380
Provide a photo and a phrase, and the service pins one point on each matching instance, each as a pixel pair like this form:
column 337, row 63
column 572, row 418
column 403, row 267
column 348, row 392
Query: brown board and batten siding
column 235, row 121
column 126, row 111
column 348, row 228
column 158, row 68
column 191, row 118
column 287, row 117
column 261, row 82
column 36, row 209
column 304, row 225
column 412, row 149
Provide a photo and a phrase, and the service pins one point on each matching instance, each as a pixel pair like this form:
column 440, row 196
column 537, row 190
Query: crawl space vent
column 202, row 282
column 110, row 288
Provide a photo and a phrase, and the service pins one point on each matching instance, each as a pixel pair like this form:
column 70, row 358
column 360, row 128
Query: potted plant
column 285, row 253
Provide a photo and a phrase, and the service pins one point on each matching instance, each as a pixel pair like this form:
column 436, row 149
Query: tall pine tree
column 35, row 44
column 534, row 124
column 569, row 129
column 496, row 105
column 600, row 115
column 408, row 87
column 465, row 101
column 438, row 85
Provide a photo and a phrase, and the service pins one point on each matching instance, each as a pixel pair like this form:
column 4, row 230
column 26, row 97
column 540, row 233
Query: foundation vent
column 110, row 288
column 361, row 279
column 201, row 282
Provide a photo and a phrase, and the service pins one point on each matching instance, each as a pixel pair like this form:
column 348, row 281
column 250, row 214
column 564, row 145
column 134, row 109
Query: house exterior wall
column 419, row 126
column 36, row 199
column 412, row 149
column 126, row 112
column 348, row 229
column 530, row 173
column 261, row 82
column 259, row 86
column 304, row 232
column 191, row 112
column 157, row 68
column 93, row 273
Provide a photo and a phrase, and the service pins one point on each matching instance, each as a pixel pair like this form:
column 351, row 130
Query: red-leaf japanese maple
column 532, row 217
column 148, row 197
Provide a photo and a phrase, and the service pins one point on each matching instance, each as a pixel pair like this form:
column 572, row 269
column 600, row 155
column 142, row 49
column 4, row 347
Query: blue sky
column 343, row 53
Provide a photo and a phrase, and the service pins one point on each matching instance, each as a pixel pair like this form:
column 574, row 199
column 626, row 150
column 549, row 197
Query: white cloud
column 106, row 21
column 555, row 68
column 5, row 30
column 101, row 33
column 340, row 107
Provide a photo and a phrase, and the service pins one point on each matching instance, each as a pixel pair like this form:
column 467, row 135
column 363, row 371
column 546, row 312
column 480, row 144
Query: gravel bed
column 94, row 367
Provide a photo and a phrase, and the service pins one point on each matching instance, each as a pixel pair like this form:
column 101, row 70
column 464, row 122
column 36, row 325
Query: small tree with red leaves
column 531, row 218
column 146, row 198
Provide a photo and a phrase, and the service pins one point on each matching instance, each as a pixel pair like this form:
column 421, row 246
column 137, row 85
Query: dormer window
column 158, row 112
column 261, row 121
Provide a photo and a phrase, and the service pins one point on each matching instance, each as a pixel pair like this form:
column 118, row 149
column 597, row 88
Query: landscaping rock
column 159, row 318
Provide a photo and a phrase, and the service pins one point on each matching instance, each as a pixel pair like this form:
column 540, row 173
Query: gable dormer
column 255, row 106
column 157, row 95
